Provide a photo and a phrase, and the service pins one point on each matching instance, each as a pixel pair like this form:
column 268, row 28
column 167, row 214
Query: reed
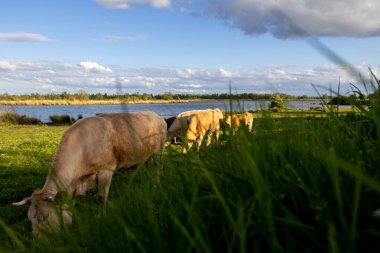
column 10, row 116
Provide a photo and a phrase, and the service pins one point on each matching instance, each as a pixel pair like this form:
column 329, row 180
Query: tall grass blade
column 13, row 236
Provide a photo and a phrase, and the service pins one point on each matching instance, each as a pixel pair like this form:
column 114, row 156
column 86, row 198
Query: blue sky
column 183, row 46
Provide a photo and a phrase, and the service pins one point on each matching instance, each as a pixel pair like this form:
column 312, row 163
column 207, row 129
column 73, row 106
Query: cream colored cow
column 202, row 123
column 182, row 120
column 90, row 151
column 236, row 120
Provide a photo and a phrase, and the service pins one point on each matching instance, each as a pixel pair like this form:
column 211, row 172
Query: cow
column 202, row 123
column 182, row 120
column 235, row 121
column 88, row 154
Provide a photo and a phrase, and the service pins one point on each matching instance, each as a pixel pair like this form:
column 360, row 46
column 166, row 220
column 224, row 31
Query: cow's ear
column 26, row 200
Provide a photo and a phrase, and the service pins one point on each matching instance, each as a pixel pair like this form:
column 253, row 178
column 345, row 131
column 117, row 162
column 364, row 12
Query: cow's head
column 45, row 213
column 179, row 127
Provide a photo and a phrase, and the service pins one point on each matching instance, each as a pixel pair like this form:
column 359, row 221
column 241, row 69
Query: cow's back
column 93, row 143
column 136, row 136
column 84, row 148
column 182, row 120
column 204, row 121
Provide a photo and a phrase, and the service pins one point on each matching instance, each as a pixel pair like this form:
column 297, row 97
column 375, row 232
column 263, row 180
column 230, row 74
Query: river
column 168, row 110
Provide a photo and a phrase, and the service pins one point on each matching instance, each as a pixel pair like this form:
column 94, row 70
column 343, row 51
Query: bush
column 341, row 100
column 10, row 116
column 277, row 103
column 61, row 119
column 26, row 120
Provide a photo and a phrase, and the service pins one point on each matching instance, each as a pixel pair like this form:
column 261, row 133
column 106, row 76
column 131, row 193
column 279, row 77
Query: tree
column 277, row 102
column 82, row 95
column 146, row 96
column 167, row 96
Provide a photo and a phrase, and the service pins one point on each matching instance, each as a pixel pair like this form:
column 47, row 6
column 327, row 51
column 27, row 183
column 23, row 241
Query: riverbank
column 48, row 102
column 92, row 102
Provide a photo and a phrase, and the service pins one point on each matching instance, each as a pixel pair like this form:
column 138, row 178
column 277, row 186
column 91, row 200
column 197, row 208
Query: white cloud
column 94, row 67
column 23, row 37
column 44, row 76
column 7, row 66
column 48, row 87
column 225, row 73
column 125, row 4
column 292, row 18
column 191, row 85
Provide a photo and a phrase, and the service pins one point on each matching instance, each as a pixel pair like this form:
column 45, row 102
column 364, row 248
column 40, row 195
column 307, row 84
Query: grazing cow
column 202, row 123
column 182, row 120
column 89, row 153
column 236, row 120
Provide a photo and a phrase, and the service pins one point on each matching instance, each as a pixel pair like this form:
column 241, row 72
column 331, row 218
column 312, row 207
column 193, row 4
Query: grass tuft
column 10, row 116
column 61, row 119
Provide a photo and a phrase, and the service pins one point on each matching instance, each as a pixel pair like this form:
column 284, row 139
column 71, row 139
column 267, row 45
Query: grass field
column 304, row 184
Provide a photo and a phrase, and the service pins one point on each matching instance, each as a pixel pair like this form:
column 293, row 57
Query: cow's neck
column 57, row 183
column 50, row 187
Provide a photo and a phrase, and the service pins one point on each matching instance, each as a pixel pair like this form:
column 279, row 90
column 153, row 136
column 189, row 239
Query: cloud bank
column 297, row 18
column 20, row 77
column 23, row 37
column 125, row 4
column 6, row 66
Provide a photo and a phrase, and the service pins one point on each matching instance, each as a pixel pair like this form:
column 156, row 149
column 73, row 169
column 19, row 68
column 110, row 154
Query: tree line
column 82, row 95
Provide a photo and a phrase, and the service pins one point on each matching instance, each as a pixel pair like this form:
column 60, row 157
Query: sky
column 187, row 46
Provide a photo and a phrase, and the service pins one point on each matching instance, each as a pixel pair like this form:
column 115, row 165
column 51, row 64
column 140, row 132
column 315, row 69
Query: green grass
column 25, row 156
column 309, row 184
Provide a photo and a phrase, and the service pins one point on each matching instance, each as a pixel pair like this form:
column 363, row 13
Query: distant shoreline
column 91, row 102
column 43, row 102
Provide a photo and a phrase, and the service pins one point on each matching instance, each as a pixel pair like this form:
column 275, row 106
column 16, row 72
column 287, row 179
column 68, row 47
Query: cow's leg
column 104, row 183
column 85, row 184
column 209, row 138
column 186, row 147
column 199, row 141
column 217, row 133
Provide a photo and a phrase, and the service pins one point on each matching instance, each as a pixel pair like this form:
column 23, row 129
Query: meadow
column 298, row 183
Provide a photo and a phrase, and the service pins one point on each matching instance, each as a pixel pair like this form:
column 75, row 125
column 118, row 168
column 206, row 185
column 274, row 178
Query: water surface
column 168, row 110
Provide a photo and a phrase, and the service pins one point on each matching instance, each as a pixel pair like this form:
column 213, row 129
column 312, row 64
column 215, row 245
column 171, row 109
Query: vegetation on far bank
column 83, row 97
